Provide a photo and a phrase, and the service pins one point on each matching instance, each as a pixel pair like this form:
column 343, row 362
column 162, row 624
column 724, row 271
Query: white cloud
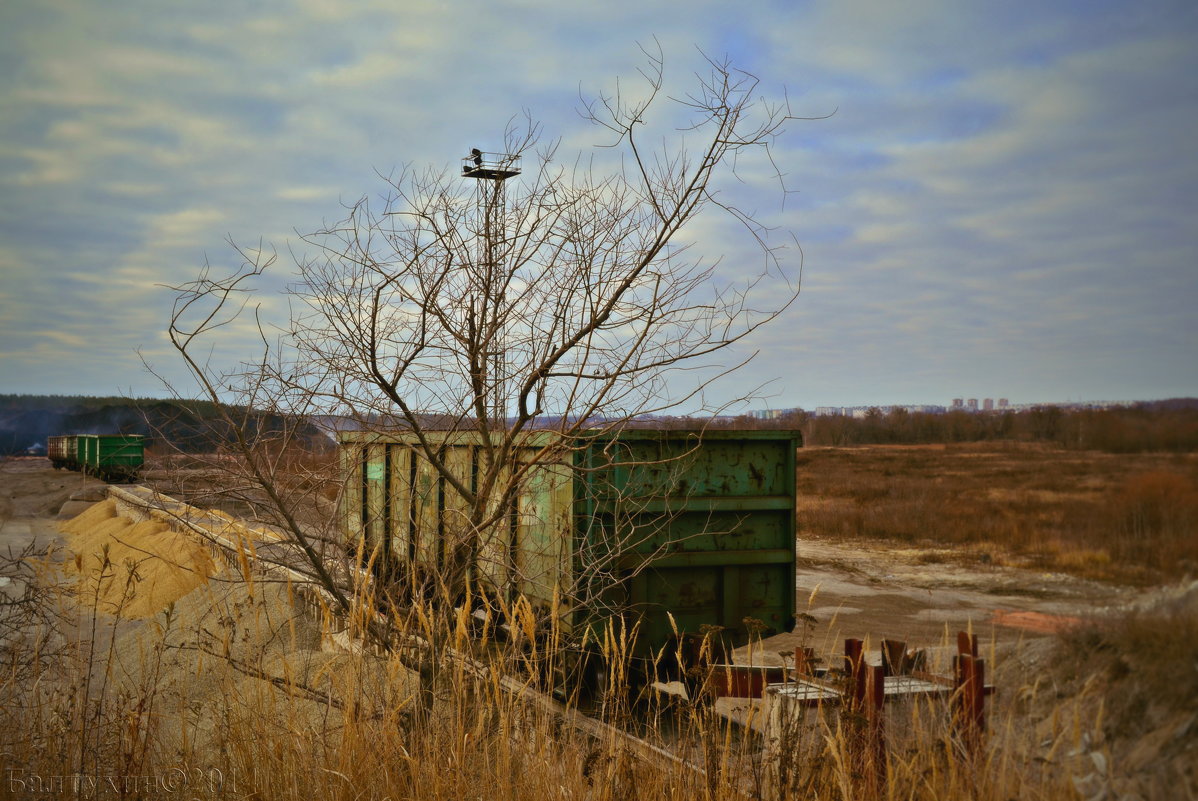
column 305, row 193
column 985, row 167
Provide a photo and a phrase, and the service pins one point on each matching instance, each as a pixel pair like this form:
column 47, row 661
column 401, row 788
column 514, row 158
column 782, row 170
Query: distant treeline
column 1157, row 426
column 188, row 426
column 193, row 426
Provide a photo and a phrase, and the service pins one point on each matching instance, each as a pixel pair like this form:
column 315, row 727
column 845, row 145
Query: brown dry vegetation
column 232, row 676
column 1148, row 427
column 1131, row 677
column 229, row 692
column 1124, row 517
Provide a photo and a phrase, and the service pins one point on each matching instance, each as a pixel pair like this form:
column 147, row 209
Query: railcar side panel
column 697, row 526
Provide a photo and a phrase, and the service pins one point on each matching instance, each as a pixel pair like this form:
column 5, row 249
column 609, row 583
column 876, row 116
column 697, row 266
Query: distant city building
column 862, row 411
column 958, row 404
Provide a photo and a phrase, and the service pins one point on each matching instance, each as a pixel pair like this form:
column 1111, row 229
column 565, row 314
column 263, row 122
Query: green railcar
column 111, row 457
column 59, row 452
column 704, row 528
column 646, row 525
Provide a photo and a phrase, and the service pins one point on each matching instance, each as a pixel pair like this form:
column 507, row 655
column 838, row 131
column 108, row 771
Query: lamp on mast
column 491, row 170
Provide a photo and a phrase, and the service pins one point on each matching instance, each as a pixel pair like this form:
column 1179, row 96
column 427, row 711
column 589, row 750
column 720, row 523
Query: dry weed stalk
column 281, row 717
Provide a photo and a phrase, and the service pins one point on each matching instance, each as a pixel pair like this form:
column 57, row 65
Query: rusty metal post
column 969, row 699
column 967, row 651
column 969, row 693
column 876, row 724
column 977, row 694
column 894, row 658
column 856, row 717
column 854, row 668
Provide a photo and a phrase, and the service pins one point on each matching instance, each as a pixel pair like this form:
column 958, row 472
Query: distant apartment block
column 860, row 412
column 958, row 405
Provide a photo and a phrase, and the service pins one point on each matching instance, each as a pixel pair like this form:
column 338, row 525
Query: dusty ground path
column 872, row 590
column 860, row 589
column 32, row 494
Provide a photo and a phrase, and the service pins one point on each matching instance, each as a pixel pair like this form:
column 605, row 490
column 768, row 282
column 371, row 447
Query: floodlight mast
column 491, row 170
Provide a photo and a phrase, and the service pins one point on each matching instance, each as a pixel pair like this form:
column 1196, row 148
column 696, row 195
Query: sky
column 999, row 200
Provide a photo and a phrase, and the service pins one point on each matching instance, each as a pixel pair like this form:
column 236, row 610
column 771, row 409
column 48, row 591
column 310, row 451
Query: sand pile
column 236, row 661
column 133, row 569
column 233, row 643
column 233, row 529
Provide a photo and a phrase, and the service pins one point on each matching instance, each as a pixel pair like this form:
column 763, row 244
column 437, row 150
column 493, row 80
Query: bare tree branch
column 527, row 315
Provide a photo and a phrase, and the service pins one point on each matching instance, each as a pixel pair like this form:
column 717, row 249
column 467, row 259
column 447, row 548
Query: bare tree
column 526, row 313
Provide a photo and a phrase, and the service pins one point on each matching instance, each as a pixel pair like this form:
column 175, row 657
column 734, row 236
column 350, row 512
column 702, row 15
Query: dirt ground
column 872, row 590
column 32, row 496
column 849, row 589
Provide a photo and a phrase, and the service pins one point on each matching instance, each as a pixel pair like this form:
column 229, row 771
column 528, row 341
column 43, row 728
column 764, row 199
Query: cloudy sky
column 1003, row 203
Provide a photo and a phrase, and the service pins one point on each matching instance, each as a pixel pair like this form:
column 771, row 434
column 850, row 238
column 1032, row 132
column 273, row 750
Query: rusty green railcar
column 60, row 450
column 650, row 525
column 111, row 457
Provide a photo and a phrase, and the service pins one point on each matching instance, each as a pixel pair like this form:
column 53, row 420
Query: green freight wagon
column 65, row 451
column 112, row 457
column 650, row 524
column 58, row 451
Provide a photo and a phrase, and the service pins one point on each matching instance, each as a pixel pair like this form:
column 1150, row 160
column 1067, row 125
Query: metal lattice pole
column 491, row 171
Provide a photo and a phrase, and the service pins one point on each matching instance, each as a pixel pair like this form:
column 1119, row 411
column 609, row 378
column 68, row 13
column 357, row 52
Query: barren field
column 1012, row 542
column 1126, row 518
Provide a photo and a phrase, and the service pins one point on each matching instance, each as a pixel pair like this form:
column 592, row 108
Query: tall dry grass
column 1127, row 517
column 235, row 690
column 231, row 693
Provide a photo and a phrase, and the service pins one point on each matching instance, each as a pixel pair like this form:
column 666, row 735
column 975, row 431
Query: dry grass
column 229, row 692
column 1126, row 517
column 1134, row 674
column 338, row 726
